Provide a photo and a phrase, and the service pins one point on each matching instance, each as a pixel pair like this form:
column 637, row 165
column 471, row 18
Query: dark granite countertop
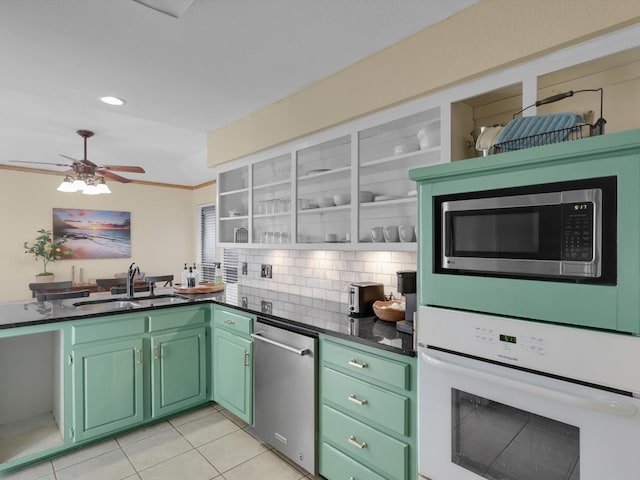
column 289, row 311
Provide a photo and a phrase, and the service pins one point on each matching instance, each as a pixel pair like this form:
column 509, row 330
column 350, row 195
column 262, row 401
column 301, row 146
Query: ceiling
column 182, row 76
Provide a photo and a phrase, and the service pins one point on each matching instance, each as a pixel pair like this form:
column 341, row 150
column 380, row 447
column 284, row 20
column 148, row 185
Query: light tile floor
column 209, row 443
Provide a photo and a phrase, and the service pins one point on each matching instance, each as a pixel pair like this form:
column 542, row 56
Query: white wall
column 162, row 232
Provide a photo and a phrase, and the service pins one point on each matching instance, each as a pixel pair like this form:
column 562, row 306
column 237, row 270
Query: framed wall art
column 93, row 234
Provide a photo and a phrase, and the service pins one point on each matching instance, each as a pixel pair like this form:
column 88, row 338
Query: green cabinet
column 368, row 412
column 107, row 375
column 178, row 371
column 107, row 387
column 128, row 369
column 233, row 362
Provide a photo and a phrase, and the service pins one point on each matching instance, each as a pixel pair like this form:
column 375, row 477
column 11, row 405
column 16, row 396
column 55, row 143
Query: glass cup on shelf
column 276, row 237
column 277, row 205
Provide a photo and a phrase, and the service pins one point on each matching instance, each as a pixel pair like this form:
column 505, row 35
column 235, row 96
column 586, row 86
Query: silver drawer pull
column 352, row 478
column 354, row 363
column 229, row 322
column 355, row 399
column 139, row 353
column 157, row 352
column 354, row 442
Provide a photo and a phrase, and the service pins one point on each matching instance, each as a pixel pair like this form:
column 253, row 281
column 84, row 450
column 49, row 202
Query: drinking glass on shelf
column 276, row 237
column 277, row 205
column 270, row 205
column 286, row 205
column 262, row 207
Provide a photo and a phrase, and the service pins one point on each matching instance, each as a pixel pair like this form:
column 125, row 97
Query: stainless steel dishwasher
column 285, row 390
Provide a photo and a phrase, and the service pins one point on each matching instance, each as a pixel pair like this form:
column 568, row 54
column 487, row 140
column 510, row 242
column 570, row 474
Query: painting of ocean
column 93, row 233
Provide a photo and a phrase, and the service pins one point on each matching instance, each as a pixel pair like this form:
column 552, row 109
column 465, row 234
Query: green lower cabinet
column 367, row 413
column 233, row 373
column 107, row 384
column 178, row 371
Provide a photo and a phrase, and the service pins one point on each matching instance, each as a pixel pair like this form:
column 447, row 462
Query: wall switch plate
column 244, row 268
column 265, row 271
column 266, row 307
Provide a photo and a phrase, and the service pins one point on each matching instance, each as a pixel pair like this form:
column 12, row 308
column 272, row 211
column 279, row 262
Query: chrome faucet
column 131, row 275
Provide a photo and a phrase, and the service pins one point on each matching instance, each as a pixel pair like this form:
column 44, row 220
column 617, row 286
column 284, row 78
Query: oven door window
column 519, row 233
column 499, row 442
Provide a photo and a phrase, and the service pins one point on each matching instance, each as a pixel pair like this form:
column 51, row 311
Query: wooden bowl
column 384, row 312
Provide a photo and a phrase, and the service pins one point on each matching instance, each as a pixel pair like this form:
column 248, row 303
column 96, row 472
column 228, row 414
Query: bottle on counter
column 183, row 279
column 217, row 278
column 196, row 272
column 191, row 279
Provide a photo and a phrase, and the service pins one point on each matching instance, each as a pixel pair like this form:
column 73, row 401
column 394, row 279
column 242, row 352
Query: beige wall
column 162, row 227
column 487, row 36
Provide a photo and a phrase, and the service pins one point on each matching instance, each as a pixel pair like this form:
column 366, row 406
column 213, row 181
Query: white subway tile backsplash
column 324, row 275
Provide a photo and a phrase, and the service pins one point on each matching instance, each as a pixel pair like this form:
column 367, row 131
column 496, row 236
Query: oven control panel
column 506, row 341
column 586, row 355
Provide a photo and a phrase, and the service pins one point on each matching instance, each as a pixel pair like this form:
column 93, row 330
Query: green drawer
column 383, row 407
column 367, row 365
column 336, row 465
column 107, row 328
column 176, row 317
column 233, row 320
column 365, row 444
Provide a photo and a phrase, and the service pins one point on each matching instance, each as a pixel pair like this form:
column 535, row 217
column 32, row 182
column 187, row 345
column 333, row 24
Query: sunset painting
column 93, row 233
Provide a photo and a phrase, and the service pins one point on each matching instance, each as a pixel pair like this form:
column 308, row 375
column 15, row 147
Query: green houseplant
column 45, row 249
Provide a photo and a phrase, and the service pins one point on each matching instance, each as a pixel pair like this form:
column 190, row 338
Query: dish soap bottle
column 217, row 279
column 191, row 279
column 183, row 279
column 196, row 272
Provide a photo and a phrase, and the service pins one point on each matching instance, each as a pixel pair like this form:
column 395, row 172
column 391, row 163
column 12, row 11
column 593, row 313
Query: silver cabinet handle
column 229, row 322
column 355, row 443
column 156, row 350
column 354, row 363
column 297, row 351
column 355, row 399
column 246, row 359
column 139, row 354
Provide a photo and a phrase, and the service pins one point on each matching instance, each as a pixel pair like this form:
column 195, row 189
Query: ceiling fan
column 87, row 170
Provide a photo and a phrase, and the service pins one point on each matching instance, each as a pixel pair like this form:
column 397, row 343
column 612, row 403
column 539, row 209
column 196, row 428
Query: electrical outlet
column 266, row 307
column 265, row 271
column 244, row 268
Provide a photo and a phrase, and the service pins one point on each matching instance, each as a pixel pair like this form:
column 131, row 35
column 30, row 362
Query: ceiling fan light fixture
column 91, row 190
column 111, row 100
column 79, row 184
column 67, row 186
column 102, row 187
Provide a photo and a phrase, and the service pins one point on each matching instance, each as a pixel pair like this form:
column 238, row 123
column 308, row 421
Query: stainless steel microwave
column 558, row 231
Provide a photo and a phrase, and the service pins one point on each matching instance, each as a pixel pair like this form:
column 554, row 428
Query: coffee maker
column 407, row 287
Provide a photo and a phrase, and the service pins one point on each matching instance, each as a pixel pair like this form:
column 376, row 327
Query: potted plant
column 45, row 249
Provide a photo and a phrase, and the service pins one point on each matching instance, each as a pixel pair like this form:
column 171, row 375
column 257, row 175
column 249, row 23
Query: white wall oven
column 503, row 399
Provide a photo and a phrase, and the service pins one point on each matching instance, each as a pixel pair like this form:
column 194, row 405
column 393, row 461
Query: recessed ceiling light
column 118, row 102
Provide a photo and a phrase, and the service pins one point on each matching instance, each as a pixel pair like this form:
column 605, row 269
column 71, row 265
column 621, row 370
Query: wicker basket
column 383, row 312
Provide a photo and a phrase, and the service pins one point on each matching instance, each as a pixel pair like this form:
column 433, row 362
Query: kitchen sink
column 168, row 299
column 106, row 305
column 128, row 303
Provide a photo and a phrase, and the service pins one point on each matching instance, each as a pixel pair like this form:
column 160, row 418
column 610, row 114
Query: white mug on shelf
column 406, row 233
column 377, row 234
column 390, row 233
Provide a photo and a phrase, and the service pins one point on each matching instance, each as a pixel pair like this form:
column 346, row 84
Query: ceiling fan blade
column 113, row 176
column 69, row 158
column 122, row 168
column 42, row 163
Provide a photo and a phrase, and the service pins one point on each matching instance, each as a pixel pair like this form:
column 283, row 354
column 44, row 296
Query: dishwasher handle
column 297, row 351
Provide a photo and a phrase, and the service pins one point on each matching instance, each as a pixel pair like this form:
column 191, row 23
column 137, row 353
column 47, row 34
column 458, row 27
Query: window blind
column 207, row 252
